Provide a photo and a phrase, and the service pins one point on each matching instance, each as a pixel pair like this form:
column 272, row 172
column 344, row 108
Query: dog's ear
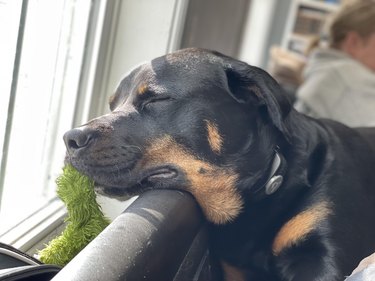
column 249, row 84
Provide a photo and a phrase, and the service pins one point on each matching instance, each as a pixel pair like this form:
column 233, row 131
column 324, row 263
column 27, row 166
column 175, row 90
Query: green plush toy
column 85, row 219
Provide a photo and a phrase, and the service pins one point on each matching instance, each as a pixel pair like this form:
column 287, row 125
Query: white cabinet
column 306, row 21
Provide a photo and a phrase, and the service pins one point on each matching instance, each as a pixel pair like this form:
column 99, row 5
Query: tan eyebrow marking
column 213, row 187
column 214, row 138
column 296, row 229
column 142, row 89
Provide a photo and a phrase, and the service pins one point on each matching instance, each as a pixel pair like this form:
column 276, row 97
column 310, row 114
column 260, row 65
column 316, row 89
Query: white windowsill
column 35, row 228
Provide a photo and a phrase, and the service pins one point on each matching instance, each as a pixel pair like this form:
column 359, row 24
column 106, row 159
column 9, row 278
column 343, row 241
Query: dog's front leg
column 311, row 262
column 232, row 273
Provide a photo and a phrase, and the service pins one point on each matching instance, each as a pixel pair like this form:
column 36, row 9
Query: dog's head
column 194, row 120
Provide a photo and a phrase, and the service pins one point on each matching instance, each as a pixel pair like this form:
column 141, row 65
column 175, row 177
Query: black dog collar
column 276, row 175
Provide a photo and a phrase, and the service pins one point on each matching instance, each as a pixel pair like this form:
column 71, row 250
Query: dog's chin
column 118, row 193
column 161, row 177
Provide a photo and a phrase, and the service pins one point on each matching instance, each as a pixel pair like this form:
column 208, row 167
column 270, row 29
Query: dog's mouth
column 161, row 173
column 137, row 182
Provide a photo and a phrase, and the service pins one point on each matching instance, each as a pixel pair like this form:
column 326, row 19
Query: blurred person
column 339, row 81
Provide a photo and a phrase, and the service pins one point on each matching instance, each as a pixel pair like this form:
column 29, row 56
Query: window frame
column 41, row 223
column 12, row 94
column 105, row 37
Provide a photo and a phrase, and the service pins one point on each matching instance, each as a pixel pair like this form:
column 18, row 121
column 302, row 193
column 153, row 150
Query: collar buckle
column 275, row 178
column 273, row 184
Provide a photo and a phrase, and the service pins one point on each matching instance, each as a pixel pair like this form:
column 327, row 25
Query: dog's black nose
column 76, row 139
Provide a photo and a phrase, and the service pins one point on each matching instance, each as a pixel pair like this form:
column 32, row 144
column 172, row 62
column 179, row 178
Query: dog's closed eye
column 147, row 103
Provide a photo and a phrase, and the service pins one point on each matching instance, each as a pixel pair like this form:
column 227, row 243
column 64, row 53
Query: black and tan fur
column 202, row 122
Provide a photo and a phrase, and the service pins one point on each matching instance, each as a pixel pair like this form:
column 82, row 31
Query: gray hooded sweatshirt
column 338, row 87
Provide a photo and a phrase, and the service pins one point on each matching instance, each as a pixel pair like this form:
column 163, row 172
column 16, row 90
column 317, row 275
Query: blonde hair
column 357, row 16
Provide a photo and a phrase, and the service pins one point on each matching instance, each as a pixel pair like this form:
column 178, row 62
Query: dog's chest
column 243, row 253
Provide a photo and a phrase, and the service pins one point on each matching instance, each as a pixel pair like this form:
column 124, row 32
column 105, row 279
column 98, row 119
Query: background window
column 42, row 47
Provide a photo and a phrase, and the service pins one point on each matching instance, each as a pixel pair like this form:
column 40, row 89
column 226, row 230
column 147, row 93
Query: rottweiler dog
column 287, row 197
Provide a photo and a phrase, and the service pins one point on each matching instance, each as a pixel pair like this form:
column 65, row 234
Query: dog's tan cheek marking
column 214, row 138
column 296, row 229
column 213, row 187
column 232, row 273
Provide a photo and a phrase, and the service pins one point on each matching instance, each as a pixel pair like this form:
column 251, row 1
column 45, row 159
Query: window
column 42, row 50
column 60, row 60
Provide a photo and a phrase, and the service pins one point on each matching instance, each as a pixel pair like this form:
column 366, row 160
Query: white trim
column 177, row 25
column 101, row 69
column 36, row 227
column 91, row 61
column 256, row 31
column 290, row 23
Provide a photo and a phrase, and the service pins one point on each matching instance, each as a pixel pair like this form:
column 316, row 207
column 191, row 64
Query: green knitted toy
column 85, row 219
